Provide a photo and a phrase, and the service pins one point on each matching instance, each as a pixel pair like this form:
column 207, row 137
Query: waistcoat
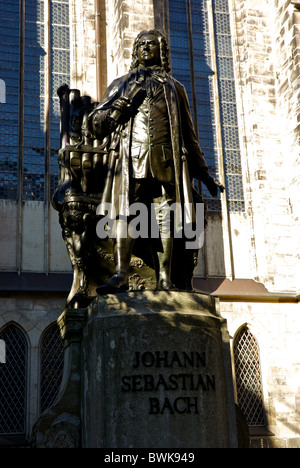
column 151, row 147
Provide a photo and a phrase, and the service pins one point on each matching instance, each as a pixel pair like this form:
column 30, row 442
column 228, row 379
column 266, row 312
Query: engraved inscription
column 187, row 373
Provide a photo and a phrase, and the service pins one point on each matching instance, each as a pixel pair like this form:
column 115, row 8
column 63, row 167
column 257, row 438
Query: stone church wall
column 267, row 77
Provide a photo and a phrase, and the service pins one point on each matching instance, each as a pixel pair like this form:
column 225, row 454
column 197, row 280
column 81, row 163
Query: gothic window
column 52, row 362
column 202, row 59
column 248, row 377
column 13, row 382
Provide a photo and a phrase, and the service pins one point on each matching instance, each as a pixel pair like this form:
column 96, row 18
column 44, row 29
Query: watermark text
column 151, row 222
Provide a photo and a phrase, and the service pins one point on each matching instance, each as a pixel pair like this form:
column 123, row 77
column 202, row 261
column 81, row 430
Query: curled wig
column 163, row 45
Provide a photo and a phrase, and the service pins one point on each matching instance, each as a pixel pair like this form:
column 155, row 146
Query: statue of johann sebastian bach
column 154, row 152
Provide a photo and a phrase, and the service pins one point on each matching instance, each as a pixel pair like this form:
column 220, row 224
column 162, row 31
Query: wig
column 163, row 45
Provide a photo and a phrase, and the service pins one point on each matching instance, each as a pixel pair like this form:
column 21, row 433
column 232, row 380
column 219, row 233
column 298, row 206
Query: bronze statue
column 138, row 145
column 154, row 139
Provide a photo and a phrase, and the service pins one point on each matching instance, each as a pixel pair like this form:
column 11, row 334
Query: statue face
column 149, row 50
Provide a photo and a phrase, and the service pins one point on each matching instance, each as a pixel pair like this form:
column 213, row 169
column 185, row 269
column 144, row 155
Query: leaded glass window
column 197, row 42
column 60, row 74
column 13, row 379
column 52, row 362
column 34, row 62
column 9, row 73
column 248, row 378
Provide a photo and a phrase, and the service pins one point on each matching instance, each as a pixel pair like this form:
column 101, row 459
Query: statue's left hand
column 213, row 186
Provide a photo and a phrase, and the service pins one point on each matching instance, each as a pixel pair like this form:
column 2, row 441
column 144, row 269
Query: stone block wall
column 83, row 47
column 264, row 44
column 126, row 19
column 275, row 326
column 287, row 53
column 120, row 22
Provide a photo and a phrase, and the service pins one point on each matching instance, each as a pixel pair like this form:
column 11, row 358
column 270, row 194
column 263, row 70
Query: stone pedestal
column 155, row 373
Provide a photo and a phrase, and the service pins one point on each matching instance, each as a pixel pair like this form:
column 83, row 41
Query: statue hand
column 122, row 104
column 120, row 108
column 213, row 185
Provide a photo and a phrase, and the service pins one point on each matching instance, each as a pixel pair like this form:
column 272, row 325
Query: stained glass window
column 195, row 41
column 25, row 151
column 9, row 114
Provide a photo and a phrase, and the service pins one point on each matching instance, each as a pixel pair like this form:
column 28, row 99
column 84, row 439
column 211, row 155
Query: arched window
column 13, row 377
column 248, row 377
column 52, row 362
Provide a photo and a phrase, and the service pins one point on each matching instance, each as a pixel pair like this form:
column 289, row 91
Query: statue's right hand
column 120, row 108
column 122, row 104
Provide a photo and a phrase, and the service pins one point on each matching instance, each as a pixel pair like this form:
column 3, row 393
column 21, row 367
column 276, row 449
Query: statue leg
column 163, row 214
column 122, row 255
column 165, row 261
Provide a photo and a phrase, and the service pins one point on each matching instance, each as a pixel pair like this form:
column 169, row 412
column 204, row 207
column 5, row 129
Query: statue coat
column 188, row 158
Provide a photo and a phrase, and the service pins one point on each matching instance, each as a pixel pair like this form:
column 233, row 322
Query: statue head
column 163, row 49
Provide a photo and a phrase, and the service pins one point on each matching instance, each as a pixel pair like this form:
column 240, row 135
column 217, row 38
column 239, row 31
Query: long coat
column 187, row 155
